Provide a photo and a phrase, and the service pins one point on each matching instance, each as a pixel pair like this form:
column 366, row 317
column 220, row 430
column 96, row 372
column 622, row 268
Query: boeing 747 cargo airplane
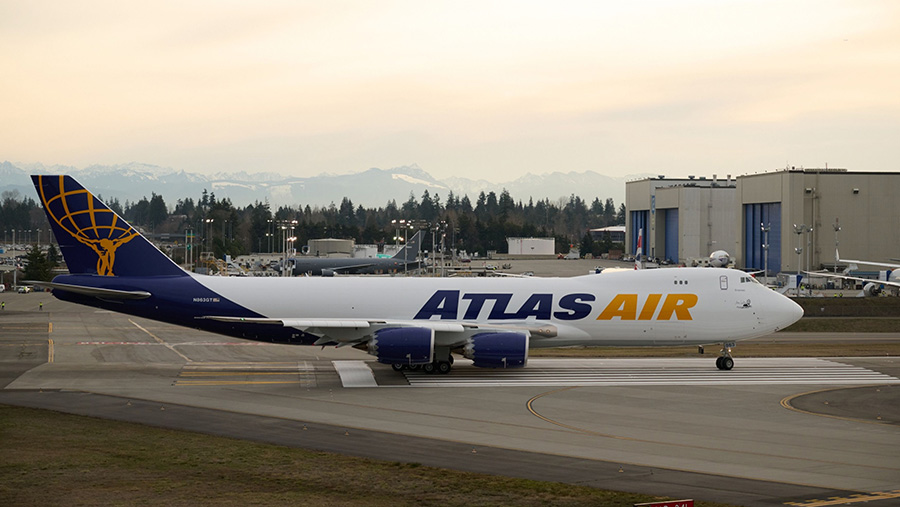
column 405, row 322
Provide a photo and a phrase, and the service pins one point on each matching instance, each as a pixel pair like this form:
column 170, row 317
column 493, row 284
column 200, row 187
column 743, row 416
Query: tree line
column 222, row 228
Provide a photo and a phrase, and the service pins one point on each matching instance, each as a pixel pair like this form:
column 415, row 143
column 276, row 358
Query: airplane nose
column 788, row 312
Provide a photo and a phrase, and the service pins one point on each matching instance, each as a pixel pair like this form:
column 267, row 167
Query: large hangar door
column 671, row 252
column 756, row 215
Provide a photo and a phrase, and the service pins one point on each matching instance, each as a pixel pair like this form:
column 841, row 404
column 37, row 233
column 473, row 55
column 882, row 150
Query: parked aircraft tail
column 93, row 239
column 639, row 250
column 410, row 251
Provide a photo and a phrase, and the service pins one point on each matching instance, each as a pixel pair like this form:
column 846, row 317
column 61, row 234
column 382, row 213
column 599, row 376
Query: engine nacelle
column 872, row 289
column 719, row 259
column 403, row 345
column 498, row 350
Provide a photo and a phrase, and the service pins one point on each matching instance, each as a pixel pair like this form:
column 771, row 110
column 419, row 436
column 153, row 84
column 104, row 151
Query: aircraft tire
column 429, row 368
column 719, row 362
column 443, row 367
column 727, row 363
column 398, row 366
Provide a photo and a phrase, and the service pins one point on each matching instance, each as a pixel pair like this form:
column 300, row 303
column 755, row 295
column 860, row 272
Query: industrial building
column 803, row 215
column 531, row 246
column 616, row 233
column 681, row 219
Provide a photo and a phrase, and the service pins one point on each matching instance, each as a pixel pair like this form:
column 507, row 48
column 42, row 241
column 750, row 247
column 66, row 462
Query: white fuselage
column 649, row 307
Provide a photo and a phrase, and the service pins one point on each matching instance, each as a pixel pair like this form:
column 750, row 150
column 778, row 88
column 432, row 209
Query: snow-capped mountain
column 371, row 188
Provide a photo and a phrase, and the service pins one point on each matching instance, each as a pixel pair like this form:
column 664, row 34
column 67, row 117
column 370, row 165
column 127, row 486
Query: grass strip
column 50, row 458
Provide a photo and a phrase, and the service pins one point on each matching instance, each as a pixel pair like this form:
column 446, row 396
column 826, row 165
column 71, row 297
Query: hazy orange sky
column 481, row 89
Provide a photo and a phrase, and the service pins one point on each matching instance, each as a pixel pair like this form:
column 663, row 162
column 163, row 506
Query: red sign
column 670, row 503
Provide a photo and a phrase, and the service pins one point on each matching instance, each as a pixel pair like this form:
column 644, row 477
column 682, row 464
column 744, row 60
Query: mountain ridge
column 373, row 187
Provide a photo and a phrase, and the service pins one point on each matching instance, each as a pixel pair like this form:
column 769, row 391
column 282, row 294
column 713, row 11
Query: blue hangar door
column 755, row 216
column 640, row 220
column 671, row 251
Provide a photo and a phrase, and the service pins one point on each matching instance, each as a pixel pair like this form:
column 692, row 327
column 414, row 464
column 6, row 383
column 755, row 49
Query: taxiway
column 769, row 432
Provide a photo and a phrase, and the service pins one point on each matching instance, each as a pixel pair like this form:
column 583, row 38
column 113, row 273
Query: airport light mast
column 799, row 229
column 765, row 246
column 837, row 229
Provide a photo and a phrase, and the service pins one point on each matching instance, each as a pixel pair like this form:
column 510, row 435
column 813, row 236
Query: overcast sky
column 480, row 89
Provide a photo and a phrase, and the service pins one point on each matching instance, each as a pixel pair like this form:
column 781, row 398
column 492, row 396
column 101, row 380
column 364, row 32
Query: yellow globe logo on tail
column 85, row 218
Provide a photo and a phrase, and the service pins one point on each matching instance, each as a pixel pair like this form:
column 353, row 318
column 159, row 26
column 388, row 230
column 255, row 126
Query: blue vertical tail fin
column 93, row 239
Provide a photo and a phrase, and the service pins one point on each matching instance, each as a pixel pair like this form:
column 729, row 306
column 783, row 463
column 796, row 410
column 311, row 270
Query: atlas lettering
column 445, row 305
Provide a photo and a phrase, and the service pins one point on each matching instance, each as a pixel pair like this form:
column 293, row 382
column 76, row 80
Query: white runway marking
column 623, row 372
column 355, row 374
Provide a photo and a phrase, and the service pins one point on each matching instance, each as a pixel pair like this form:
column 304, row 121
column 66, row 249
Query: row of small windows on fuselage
column 681, row 282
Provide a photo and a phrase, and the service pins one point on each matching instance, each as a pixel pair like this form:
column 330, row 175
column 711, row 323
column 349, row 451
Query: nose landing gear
column 725, row 361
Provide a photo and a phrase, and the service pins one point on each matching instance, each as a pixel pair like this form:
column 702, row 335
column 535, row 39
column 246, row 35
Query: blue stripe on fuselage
column 179, row 300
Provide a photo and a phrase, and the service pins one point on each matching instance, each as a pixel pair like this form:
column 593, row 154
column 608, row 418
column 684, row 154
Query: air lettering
column 624, row 306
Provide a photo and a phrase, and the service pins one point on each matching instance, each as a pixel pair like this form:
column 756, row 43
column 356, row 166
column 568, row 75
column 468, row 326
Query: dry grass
column 845, row 325
column 50, row 458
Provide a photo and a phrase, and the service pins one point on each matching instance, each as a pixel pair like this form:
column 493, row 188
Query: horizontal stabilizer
column 93, row 291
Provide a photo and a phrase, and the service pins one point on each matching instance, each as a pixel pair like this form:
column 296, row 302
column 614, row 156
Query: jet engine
column 719, row 259
column 872, row 289
column 403, row 345
column 498, row 350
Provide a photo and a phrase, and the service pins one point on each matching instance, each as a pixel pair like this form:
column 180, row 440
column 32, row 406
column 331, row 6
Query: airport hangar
column 685, row 219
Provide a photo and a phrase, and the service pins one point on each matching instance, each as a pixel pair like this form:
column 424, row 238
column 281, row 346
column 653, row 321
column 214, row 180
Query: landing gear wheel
column 443, row 367
column 429, row 368
column 724, row 362
column 727, row 363
column 398, row 366
column 415, row 367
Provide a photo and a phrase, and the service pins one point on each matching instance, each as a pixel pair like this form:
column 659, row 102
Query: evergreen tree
column 157, row 213
column 620, row 217
column 38, row 267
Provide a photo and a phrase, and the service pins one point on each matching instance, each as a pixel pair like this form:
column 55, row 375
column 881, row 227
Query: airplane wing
column 869, row 263
column 889, row 283
column 353, row 331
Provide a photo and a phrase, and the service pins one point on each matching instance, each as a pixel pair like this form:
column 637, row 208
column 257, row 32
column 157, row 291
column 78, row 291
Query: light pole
column 837, row 258
column 808, row 248
column 799, row 229
column 189, row 248
column 765, row 246
column 208, row 222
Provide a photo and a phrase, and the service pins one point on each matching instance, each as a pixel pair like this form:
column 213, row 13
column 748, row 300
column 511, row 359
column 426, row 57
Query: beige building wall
column 865, row 205
column 707, row 213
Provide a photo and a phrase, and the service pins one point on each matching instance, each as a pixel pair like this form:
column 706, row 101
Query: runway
column 672, row 426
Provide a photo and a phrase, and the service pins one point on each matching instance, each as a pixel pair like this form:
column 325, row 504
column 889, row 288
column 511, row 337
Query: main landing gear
column 725, row 361
column 442, row 367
